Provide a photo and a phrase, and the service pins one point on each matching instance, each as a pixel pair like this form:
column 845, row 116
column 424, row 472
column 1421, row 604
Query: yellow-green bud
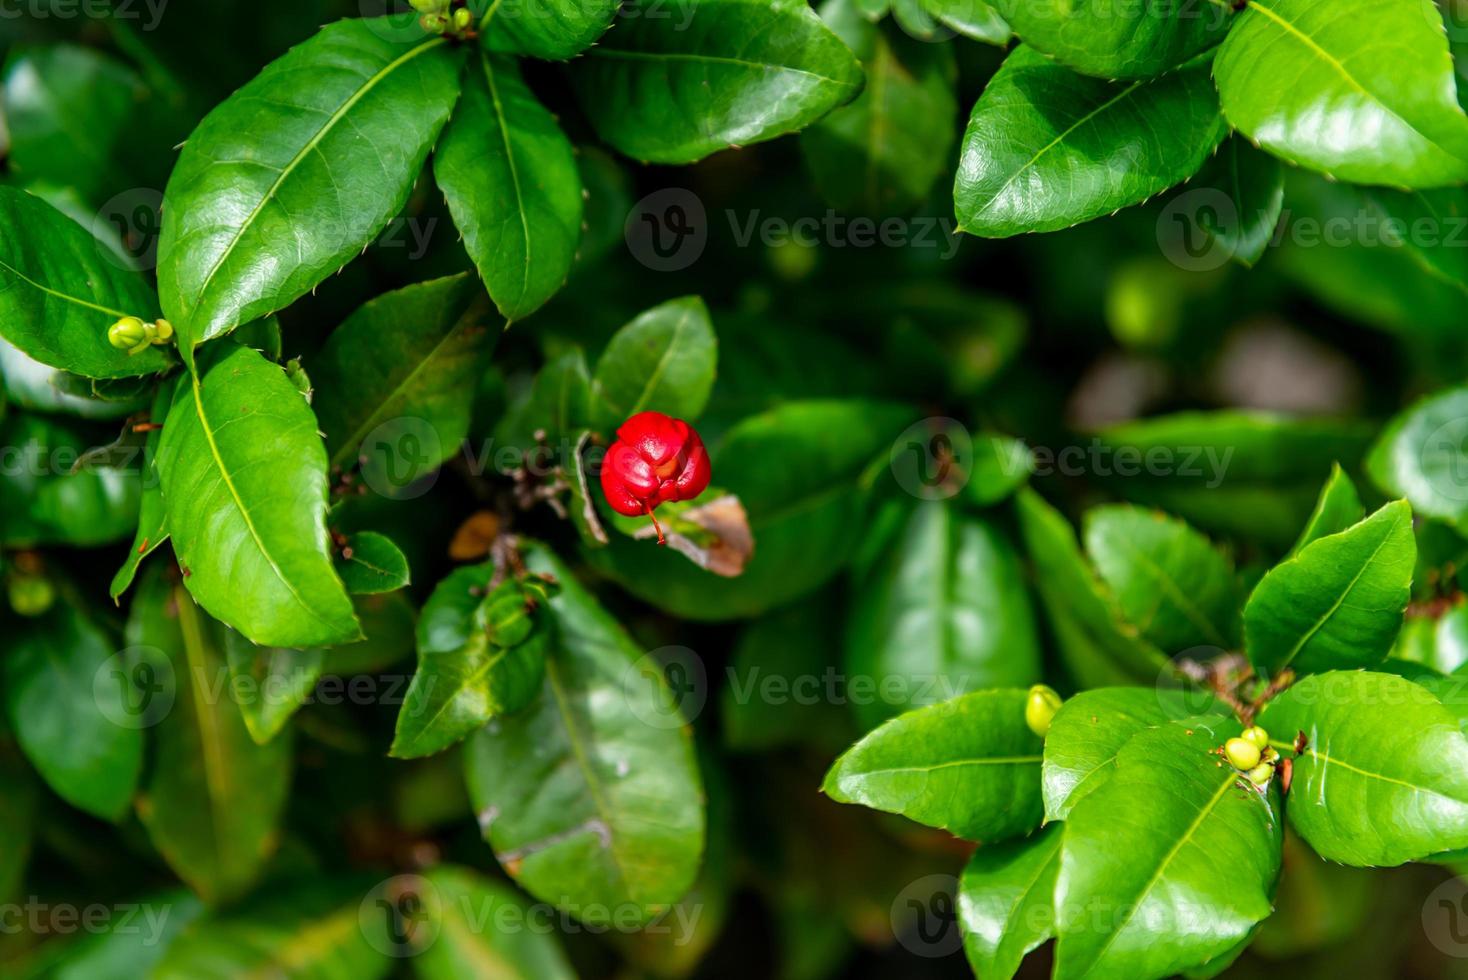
column 1242, row 754
column 1261, row 774
column 127, row 333
column 162, row 331
column 1258, row 736
column 31, row 595
column 429, row 6
column 462, row 19
column 435, row 23
column 1040, row 709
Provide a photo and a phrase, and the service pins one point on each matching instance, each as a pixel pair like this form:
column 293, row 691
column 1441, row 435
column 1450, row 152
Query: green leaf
column 974, row 19
column 485, row 929
column 1244, row 474
column 38, row 387
column 1005, row 904
column 400, row 372
column 558, row 404
column 68, row 712
column 70, row 111
column 244, row 482
column 1420, row 456
column 1361, row 90
column 464, row 678
column 803, row 491
column 1441, row 643
column 553, row 30
column 881, row 154
column 213, row 800
column 1114, row 38
column 152, row 513
column 60, row 289
column 1047, row 148
column 270, row 683
column 591, row 797
column 1384, row 776
column 663, row 361
column 1000, row 466
column 1338, row 508
column 251, row 225
column 1243, row 220
column 46, row 500
column 134, row 943
column 1339, row 602
column 732, row 73
column 509, row 175
column 1168, row 580
column 1096, row 646
column 1085, row 736
column 970, row 766
column 311, row 927
column 370, row 563
column 1167, row 864
column 18, row 798
column 944, row 612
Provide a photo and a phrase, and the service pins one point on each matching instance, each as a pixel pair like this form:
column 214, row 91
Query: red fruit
column 655, row 459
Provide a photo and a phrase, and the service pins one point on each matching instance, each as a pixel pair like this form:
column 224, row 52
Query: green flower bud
column 1040, row 709
column 506, row 617
column 435, row 23
column 429, row 6
column 31, row 595
column 462, row 19
column 1242, row 754
column 127, row 333
column 1261, row 774
column 1258, row 736
column 162, row 331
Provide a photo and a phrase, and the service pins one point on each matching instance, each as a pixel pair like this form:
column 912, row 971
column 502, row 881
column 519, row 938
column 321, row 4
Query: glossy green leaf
column 1085, row 736
column 1339, row 602
column 1168, row 580
column 250, row 225
column 1248, row 474
column 551, row 29
column 464, row 677
column 1362, row 90
column 484, row 929
column 67, row 703
column 370, row 563
column 213, row 798
column 244, row 482
column 509, row 175
column 1116, row 38
column 315, row 927
column 1442, row 643
column 591, row 796
column 731, row 73
column 803, row 492
column 38, row 387
column 1420, row 456
column 152, row 514
column 1169, row 863
column 1005, row 902
column 1251, row 182
column 881, row 154
column 974, row 19
column 1384, row 776
column 1096, row 646
column 394, row 382
column 970, row 766
column 60, row 290
column 1047, row 148
column 944, row 612
column 663, row 361
column 44, row 501
column 270, row 683
column 1338, row 508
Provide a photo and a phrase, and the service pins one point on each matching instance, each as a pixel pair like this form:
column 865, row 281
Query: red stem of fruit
column 648, row 507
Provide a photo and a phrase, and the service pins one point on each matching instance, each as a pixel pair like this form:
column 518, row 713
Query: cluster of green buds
column 442, row 17
column 1252, row 755
column 1040, row 708
column 133, row 335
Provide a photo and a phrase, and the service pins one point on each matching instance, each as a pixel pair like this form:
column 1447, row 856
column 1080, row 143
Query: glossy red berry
column 655, row 459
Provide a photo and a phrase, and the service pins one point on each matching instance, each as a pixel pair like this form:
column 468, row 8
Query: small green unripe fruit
column 1040, row 709
column 1242, row 754
column 1258, row 736
column 31, row 595
column 127, row 333
column 1261, row 774
column 462, row 19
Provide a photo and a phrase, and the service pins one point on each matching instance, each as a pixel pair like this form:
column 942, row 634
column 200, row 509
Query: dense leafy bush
column 459, row 508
